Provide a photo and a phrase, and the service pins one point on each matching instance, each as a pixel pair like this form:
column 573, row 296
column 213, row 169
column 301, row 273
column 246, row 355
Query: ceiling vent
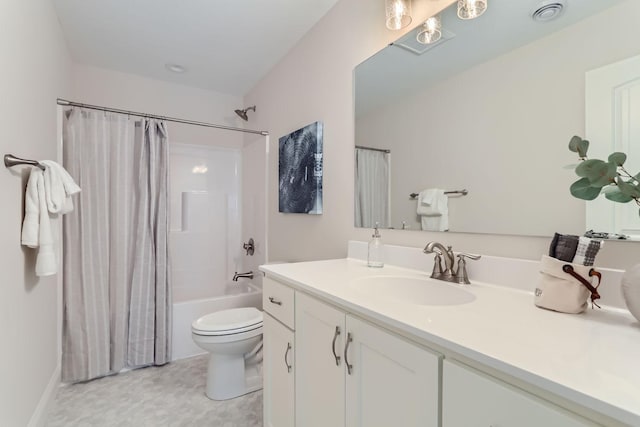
column 548, row 11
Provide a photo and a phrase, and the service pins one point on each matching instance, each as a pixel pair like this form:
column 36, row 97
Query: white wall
column 314, row 82
column 459, row 133
column 35, row 71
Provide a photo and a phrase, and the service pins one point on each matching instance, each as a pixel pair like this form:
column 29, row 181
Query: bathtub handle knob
column 272, row 300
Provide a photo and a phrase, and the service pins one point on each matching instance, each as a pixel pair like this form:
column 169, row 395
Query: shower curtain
column 116, row 291
column 372, row 188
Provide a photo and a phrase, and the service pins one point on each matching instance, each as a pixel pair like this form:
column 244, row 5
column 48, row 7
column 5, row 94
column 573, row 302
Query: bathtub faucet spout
column 248, row 275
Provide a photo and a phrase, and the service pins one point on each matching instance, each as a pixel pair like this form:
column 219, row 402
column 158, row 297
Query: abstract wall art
column 300, row 183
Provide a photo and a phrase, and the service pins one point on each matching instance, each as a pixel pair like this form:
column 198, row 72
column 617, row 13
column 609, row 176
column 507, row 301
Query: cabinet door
column 278, row 372
column 392, row 382
column 470, row 398
column 319, row 370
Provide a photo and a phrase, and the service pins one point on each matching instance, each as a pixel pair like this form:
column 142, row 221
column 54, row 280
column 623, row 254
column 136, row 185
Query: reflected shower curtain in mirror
column 372, row 188
column 117, row 301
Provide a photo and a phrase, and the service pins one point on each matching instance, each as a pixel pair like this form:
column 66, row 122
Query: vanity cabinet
column 351, row 373
column 471, row 398
column 279, row 355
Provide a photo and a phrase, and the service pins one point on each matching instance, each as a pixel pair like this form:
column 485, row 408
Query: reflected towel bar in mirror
column 464, row 192
column 10, row 160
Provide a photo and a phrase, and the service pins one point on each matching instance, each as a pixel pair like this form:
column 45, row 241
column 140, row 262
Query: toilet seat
column 228, row 322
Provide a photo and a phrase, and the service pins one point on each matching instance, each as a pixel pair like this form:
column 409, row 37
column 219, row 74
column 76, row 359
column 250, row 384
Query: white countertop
column 592, row 359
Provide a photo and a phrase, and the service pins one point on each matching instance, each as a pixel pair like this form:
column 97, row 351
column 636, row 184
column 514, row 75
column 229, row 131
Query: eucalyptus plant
column 607, row 177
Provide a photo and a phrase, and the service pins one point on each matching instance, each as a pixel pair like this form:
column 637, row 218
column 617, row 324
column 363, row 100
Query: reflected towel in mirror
column 433, row 209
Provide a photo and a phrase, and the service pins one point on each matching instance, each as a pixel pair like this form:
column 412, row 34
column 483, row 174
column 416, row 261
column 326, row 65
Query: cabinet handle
column 333, row 345
column 286, row 354
column 272, row 300
column 346, row 348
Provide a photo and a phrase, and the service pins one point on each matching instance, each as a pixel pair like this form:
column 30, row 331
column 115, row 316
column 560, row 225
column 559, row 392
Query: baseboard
column 39, row 417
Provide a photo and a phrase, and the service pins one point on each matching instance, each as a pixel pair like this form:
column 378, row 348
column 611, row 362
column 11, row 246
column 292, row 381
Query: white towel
column 46, row 197
column 433, row 209
column 36, row 229
column 59, row 187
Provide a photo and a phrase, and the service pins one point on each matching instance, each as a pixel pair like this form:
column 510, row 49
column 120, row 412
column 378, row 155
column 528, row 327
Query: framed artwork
column 300, row 172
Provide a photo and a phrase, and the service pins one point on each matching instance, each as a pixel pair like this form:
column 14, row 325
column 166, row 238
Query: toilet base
column 230, row 377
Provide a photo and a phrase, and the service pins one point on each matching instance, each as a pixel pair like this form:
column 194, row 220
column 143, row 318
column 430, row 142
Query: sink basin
column 413, row 290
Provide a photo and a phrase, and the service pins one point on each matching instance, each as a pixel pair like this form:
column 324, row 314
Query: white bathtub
column 189, row 305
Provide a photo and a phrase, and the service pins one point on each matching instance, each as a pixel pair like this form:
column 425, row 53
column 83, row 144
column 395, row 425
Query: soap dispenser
column 375, row 256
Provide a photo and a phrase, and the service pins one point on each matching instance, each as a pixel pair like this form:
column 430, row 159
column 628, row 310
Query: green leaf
column 615, row 195
column 598, row 172
column 579, row 145
column 617, row 158
column 587, row 167
column 582, row 189
column 629, row 188
column 573, row 144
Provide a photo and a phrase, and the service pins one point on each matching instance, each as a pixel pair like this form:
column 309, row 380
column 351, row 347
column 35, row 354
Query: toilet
column 233, row 339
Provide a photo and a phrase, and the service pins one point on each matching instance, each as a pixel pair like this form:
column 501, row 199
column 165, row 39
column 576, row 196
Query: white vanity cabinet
column 279, row 355
column 351, row 373
column 471, row 398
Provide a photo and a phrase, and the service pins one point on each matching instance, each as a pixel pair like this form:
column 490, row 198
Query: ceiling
column 225, row 45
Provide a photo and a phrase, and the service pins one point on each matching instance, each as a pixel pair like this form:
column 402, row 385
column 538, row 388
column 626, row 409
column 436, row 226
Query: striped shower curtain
column 116, row 292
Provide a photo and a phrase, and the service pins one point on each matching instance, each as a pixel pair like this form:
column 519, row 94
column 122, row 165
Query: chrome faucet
column 248, row 275
column 460, row 276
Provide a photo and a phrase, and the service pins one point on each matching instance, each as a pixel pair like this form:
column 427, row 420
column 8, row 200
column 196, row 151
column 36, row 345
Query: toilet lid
column 232, row 320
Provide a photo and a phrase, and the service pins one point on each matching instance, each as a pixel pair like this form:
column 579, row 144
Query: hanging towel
column 36, row 229
column 59, row 187
column 433, row 209
column 48, row 193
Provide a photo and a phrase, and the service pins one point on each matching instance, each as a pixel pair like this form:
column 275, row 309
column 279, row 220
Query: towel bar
column 10, row 160
column 464, row 192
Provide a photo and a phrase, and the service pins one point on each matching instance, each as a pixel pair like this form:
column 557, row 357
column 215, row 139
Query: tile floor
column 170, row 395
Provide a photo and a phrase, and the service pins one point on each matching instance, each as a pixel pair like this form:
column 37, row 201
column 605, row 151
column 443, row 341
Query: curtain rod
column 66, row 103
column 373, row 149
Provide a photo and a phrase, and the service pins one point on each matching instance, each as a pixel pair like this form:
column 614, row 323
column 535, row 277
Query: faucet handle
column 474, row 257
column 461, row 272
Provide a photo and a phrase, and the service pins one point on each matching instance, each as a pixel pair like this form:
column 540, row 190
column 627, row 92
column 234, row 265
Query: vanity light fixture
column 470, row 9
column 398, row 13
column 431, row 30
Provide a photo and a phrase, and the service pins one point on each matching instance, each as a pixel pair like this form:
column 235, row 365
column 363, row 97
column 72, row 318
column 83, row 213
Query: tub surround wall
column 255, row 186
column 205, row 218
column 36, row 70
column 314, row 82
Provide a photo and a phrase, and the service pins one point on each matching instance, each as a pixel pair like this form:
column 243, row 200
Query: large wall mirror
column 490, row 109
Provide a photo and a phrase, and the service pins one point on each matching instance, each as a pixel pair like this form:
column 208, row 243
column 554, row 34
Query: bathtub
column 190, row 304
